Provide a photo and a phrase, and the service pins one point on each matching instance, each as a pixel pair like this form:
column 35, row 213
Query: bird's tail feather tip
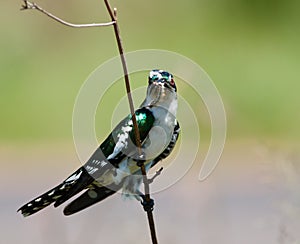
column 67, row 212
column 23, row 211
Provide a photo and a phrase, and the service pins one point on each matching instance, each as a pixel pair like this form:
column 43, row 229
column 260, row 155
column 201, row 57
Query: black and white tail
column 90, row 197
column 59, row 194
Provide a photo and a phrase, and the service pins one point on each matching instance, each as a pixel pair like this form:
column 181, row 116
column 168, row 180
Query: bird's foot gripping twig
column 147, row 202
column 148, row 205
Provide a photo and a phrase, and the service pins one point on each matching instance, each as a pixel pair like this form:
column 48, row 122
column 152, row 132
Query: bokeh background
column 251, row 51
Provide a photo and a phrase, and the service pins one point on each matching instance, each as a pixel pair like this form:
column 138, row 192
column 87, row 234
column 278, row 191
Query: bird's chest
column 160, row 134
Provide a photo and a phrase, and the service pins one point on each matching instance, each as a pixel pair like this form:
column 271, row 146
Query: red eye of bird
column 172, row 82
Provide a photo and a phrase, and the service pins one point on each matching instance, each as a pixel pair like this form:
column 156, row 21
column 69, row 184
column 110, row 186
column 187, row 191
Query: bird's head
column 161, row 91
column 162, row 78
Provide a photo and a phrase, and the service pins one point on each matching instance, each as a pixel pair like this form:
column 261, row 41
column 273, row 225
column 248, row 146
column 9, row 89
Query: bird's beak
column 158, row 82
column 162, row 83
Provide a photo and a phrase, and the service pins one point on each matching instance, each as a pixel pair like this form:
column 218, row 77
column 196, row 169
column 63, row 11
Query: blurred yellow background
column 251, row 51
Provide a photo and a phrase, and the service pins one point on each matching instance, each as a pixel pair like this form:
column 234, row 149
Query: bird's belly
column 160, row 134
column 156, row 142
column 127, row 167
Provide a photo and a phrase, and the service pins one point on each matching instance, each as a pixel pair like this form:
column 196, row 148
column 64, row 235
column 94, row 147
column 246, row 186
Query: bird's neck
column 161, row 97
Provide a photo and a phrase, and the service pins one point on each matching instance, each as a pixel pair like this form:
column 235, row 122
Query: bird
column 115, row 163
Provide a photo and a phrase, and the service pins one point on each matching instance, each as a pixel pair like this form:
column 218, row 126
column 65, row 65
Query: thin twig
column 30, row 5
column 157, row 173
column 113, row 15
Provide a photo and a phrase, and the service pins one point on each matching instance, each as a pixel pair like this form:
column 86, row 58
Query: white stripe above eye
column 156, row 73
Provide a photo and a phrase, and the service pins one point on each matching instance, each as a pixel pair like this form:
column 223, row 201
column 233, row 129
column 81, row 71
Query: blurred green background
column 251, row 51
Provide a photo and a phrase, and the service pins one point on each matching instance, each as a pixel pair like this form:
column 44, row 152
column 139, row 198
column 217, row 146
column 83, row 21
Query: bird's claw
column 148, row 205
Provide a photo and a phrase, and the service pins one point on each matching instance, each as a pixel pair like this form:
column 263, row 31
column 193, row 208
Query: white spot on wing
column 92, row 171
column 103, row 163
column 122, row 142
column 74, row 177
column 92, row 194
column 97, row 162
column 38, row 199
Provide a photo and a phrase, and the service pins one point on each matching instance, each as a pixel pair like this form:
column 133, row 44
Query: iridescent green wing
column 120, row 143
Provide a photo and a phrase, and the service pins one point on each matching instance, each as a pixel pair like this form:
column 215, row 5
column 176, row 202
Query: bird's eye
column 172, row 82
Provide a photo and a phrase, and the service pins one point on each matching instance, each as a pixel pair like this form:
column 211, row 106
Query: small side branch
column 33, row 6
column 113, row 16
column 157, row 173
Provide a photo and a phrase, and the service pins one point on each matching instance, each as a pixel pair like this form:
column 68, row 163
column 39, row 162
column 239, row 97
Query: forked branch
column 33, row 6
